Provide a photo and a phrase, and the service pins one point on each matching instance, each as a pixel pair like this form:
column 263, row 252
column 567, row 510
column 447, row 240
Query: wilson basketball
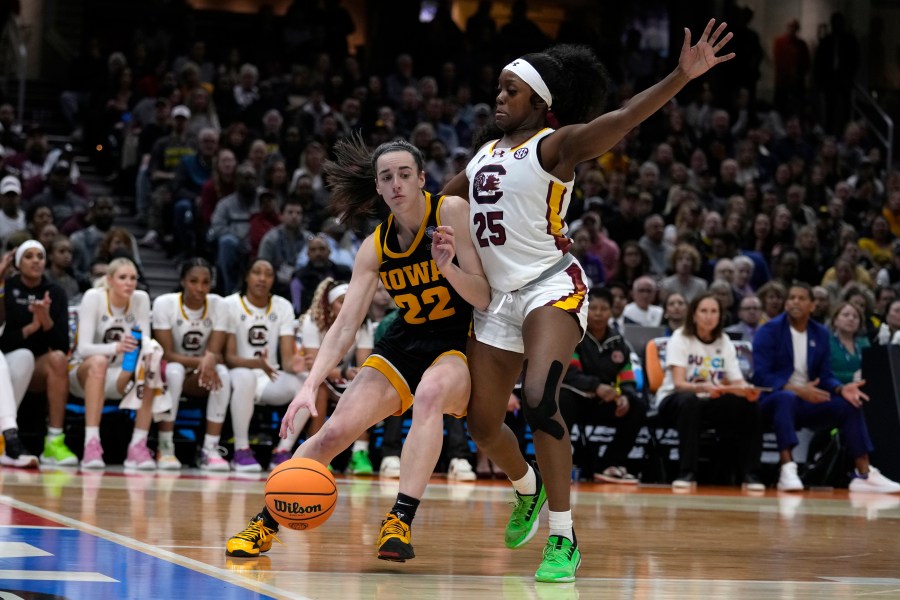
column 301, row 493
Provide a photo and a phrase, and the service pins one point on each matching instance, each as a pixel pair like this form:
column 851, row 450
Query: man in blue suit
column 791, row 355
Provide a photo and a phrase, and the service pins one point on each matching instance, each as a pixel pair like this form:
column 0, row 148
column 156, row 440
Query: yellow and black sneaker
column 394, row 540
column 256, row 538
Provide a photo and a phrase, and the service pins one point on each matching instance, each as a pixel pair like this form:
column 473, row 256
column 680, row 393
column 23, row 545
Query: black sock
column 405, row 508
column 268, row 521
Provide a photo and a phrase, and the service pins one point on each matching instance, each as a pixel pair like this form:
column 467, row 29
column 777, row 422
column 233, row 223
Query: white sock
column 210, row 442
column 139, row 436
column 52, row 432
column 166, row 441
column 361, row 445
column 561, row 524
column 91, row 433
column 527, row 486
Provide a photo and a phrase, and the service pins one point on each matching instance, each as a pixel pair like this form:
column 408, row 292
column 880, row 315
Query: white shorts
column 500, row 325
column 109, row 391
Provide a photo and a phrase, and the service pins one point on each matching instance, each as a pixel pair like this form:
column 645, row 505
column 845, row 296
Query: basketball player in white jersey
column 16, row 369
column 259, row 328
column 519, row 185
column 183, row 325
column 106, row 317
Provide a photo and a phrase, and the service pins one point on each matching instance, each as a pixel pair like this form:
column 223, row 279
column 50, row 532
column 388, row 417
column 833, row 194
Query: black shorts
column 403, row 356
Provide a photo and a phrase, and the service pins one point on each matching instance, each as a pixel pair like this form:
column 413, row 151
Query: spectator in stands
column 810, row 267
column 263, row 221
column 29, row 163
column 625, row 223
column 601, row 246
column 675, row 312
column 772, row 295
column 704, row 385
column 314, row 324
column 883, row 298
column 685, row 262
column 150, row 133
column 889, row 332
column 749, row 313
column 318, row 267
column 230, row 227
column 260, row 351
column 86, row 242
column 864, row 302
column 593, row 268
column 878, row 248
column 37, row 216
column 106, row 357
column 60, row 271
column 619, row 293
column 846, row 352
column 743, row 274
column 311, row 166
column 891, row 211
column 890, row 275
column 190, row 175
column 822, row 304
column 68, row 207
column 791, row 355
column 165, row 157
column 658, row 250
column 633, row 263
column 724, row 293
column 12, row 217
column 599, row 388
column 282, row 245
column 219, row 185
column 641, row 309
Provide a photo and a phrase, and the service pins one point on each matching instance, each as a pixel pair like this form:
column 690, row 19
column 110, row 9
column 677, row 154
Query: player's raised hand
column 704, row 55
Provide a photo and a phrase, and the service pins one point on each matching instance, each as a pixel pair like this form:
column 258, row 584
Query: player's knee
column 334, row 437
column 58, row 363
column 430, row 399
column 96, row 366
column 539, row 400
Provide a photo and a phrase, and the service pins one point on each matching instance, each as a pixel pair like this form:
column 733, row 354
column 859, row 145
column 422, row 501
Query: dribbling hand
column 303, row 399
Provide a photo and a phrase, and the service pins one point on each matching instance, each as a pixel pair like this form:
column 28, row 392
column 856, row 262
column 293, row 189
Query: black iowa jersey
column 426, row 301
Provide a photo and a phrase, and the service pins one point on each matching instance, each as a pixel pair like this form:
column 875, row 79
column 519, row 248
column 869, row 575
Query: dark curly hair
column 351, row 175
column 577, row 81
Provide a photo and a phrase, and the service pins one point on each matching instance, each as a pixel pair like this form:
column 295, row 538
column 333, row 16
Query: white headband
column 527, row 73
column 337, row 291
column 20, row 251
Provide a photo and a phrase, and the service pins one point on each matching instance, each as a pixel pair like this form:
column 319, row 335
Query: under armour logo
column 499, row 153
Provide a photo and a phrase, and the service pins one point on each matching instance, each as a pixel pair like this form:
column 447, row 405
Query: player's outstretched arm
column 582, row 142
column 453, row 239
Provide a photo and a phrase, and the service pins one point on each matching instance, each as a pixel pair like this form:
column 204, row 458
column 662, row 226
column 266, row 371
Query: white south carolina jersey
column 100, row 325
column 256, row 328
column 516, row 213
column 190, row 328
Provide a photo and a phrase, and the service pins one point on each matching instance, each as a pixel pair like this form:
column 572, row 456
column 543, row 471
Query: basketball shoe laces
column 257, row 533
column 394, row 527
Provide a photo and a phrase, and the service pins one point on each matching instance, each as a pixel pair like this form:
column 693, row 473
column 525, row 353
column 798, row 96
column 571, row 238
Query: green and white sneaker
column 561, row 560
column 360, row 463
column 524, row 520
column 57, row 453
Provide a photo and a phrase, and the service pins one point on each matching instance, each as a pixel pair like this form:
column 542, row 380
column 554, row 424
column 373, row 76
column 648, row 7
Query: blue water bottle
column 129, row 362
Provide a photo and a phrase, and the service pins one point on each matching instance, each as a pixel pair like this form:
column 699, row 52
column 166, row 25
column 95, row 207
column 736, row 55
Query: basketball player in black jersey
column 434, row 277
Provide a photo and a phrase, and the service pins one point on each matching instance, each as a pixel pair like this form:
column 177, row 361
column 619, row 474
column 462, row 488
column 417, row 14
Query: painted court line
column 20, row 574
column 151, row 550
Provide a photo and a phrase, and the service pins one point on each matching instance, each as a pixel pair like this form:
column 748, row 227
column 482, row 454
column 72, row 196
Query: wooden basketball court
column 68, row 534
